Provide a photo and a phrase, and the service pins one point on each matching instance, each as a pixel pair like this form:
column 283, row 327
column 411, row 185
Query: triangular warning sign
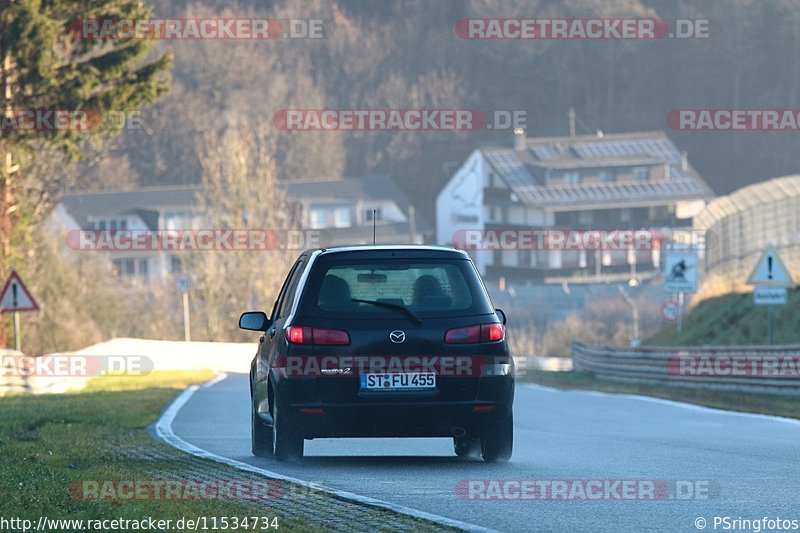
column 16, row 297
column 770, row 270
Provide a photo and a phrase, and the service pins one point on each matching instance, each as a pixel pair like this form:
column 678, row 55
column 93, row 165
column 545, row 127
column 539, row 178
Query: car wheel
column 498, row 442
column 286, row 442
column 260, row 435
column 465, row 446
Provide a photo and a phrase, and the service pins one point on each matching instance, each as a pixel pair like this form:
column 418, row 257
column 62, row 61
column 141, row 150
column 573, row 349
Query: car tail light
column 492, row 332
column 471, row 334
column 329, row 336
column 318, row 336
column 463, row 335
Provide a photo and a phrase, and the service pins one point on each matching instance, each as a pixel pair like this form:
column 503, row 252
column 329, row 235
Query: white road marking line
column 164, row 431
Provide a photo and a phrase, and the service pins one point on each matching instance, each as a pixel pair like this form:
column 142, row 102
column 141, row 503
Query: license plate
column 398, row 381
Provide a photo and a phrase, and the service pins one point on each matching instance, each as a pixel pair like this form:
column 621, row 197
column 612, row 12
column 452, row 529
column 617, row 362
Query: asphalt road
column 748, row 465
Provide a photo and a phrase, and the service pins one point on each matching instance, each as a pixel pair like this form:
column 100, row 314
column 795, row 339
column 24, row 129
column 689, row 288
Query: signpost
column 771, row 278
column 16, row 298
column 680, row 273
column 670, row 311
column 184, row 284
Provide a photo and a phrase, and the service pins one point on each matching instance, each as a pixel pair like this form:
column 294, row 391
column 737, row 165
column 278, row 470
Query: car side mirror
column 501, row 314
column 254, row 321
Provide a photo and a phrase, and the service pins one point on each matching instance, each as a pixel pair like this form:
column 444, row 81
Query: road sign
column 16, row 297
column 770, row 270
column 680, row 269
column 184, row 283
column 770, row 296
column 670, row 310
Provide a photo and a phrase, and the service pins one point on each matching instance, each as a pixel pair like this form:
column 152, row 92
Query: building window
column 378, row 213
column 641, row 173
column 572, row 177
column 143, row 268
column 123, row 224
column 585, row 217
column 342, row 218
column 625, row 215
column 175, row 265
column 101, row 225
column 317, row 218
column 117, row 264
column 605, row 175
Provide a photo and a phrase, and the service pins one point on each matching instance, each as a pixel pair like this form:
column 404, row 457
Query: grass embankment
column 770, row 404
column 50, row 443
column 734, row 319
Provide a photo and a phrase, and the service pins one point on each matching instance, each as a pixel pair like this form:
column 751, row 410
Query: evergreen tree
column 47, row 63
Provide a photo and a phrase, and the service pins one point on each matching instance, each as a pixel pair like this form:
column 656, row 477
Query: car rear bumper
column 399, row 419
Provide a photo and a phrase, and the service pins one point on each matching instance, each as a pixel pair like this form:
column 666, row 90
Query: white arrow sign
column 16, row 297
column 770, row 270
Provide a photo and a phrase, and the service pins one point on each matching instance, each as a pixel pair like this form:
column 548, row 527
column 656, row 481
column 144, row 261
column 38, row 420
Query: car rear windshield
column 427, row 288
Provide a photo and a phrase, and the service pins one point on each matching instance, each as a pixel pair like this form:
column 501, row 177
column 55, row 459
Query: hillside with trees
column 224, row 94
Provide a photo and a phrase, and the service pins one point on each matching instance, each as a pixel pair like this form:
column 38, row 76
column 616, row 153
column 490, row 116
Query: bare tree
column 240, row 193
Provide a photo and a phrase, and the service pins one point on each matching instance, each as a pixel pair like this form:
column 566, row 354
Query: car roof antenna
column 374, row 213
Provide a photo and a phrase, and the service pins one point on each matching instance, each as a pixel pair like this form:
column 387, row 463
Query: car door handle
column 271, row 333
column 261, row 338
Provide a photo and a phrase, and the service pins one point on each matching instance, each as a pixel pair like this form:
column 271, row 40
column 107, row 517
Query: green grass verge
column 734, row 319
column 769, row 404
column 50, row 442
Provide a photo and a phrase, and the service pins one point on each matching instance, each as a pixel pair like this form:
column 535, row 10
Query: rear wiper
column 397, row 307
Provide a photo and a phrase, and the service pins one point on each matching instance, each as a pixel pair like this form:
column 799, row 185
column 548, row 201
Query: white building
column 629, row 181
column 343, row 211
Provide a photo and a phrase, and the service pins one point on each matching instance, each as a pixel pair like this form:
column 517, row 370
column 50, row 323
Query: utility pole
column 635, row 316
column 8, row 169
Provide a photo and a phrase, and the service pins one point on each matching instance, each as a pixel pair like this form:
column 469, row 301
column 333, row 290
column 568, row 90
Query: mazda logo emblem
column 397, row 336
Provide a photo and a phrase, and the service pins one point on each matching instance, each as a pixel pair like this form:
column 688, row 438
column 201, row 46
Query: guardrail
column 774, row 369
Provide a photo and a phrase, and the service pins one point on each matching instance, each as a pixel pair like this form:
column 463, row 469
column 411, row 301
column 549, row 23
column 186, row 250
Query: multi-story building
column 578, row 184
column 344, row 211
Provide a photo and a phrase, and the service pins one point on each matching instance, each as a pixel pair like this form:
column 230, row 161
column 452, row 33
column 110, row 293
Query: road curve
column 748, row 464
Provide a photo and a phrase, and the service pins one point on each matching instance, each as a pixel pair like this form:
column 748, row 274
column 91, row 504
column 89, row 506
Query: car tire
column 260, row 435
column 465, row 446
column 497, row 443
column 287, row 443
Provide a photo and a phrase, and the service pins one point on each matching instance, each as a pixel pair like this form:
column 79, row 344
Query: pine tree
column 47, row 63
